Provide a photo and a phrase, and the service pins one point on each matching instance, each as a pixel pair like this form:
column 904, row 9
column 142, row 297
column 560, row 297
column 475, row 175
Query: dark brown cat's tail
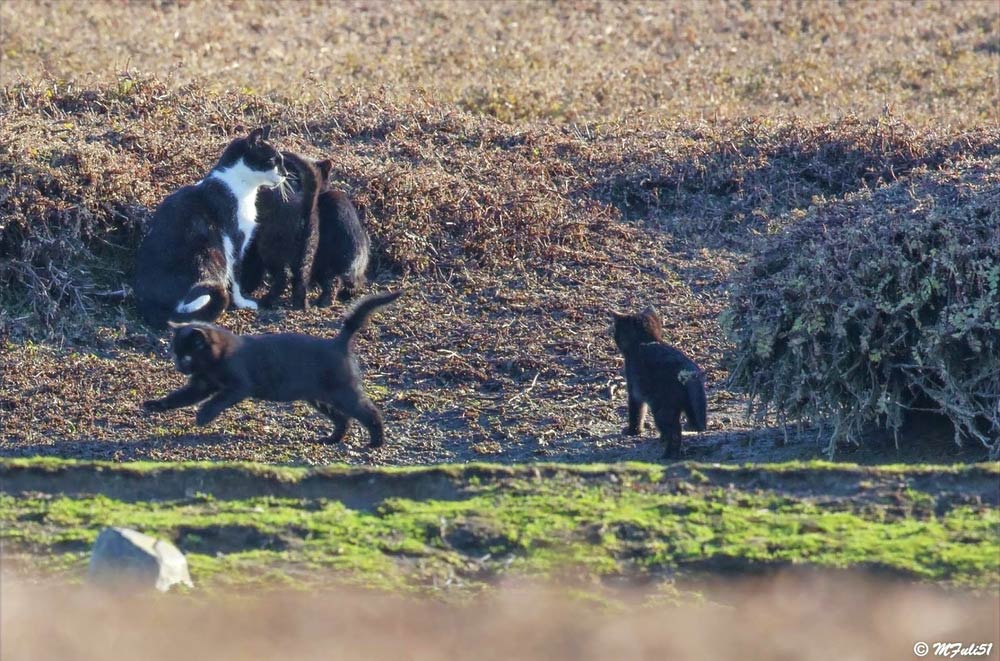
column 696, row 404
column 358, row 316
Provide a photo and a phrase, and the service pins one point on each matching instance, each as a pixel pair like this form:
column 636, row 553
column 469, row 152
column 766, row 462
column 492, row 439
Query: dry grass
column 932, row 62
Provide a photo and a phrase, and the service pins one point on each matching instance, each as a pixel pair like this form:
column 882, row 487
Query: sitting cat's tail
column 204, row 302
column 696, row 404
column 352, row 286
column 358, row 316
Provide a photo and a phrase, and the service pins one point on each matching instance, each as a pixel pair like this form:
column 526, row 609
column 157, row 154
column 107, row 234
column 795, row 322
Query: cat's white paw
column 244, row 304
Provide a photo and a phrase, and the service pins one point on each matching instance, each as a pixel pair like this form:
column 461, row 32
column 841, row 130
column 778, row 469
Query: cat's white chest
column 246, row 218
column 243, row 183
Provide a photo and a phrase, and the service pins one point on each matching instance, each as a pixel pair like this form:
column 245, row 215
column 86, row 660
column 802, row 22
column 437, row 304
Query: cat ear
column 617, row 315
column 255, row 136
column 325, row 168
column 650, row 311
column 266, row 131
column 199, row 336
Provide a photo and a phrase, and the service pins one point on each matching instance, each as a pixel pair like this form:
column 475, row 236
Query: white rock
column 123, row 557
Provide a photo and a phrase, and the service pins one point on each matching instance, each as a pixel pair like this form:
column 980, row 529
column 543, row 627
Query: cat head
column 252, row 161
column 198, row 346
column 631, row 330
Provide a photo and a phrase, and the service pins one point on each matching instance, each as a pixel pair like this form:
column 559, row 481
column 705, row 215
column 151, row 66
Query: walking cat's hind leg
column 340, row 421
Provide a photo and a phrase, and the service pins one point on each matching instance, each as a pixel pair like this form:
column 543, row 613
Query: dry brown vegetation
column 880, row 306
column 933, row 62
column 791, row 616
column 524, row 167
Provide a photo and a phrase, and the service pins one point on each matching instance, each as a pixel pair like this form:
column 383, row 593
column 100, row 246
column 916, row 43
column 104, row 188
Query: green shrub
column 863, row 310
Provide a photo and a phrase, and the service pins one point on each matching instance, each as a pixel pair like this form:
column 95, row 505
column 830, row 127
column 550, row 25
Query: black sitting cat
column 190, row 260
column 287, row 236
column 225, row 369
column 284, row 241
column 659, row 376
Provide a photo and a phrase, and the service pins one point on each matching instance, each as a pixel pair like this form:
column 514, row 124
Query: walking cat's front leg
column 219, row 402
column 636, row 416
column 194, row 391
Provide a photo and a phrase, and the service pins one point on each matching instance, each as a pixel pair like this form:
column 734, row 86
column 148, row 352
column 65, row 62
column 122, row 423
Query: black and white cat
column 187, row 267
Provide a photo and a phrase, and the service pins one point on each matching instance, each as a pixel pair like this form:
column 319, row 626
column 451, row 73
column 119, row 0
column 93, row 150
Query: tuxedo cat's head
column 199, row 346
column 251, row 162
column 631, row 330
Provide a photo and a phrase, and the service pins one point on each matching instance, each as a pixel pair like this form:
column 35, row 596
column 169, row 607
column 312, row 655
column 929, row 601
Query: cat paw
column 324, row 301
column 672, row 452
column 628, row 431
column 154, row 405
column 244, row 304
column 203, row 417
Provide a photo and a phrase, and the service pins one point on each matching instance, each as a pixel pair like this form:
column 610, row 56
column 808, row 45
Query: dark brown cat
column 226, row 368
column 317, row 233
column 288, row 234
column 660, row 376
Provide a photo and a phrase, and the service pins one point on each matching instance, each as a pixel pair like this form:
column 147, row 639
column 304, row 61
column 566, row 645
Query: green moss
column 565, row 526
column 480, row 471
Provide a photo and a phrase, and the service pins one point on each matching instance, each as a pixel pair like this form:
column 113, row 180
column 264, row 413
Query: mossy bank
column 458, row 530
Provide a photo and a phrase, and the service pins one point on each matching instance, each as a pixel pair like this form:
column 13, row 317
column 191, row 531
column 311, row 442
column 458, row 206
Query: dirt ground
column 515, row 368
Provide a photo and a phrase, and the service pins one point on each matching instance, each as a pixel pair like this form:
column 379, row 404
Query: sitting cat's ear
column 266, row 131
column 650, row 311
column 255, row 136
column 325, row 167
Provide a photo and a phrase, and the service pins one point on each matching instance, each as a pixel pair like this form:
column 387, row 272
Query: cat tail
column 352, row 285
column 204, row 302
column 359, row 314
column 355, row 277
column 696, row 404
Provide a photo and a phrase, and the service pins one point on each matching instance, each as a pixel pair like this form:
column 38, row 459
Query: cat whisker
column 284, row 188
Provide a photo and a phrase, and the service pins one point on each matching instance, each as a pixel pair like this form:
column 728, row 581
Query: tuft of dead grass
column 868, row 309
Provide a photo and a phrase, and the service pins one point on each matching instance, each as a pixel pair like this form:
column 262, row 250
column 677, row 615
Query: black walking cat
column 189, row 262
column 659, row 376
column 342, row 249
column 225, row 369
